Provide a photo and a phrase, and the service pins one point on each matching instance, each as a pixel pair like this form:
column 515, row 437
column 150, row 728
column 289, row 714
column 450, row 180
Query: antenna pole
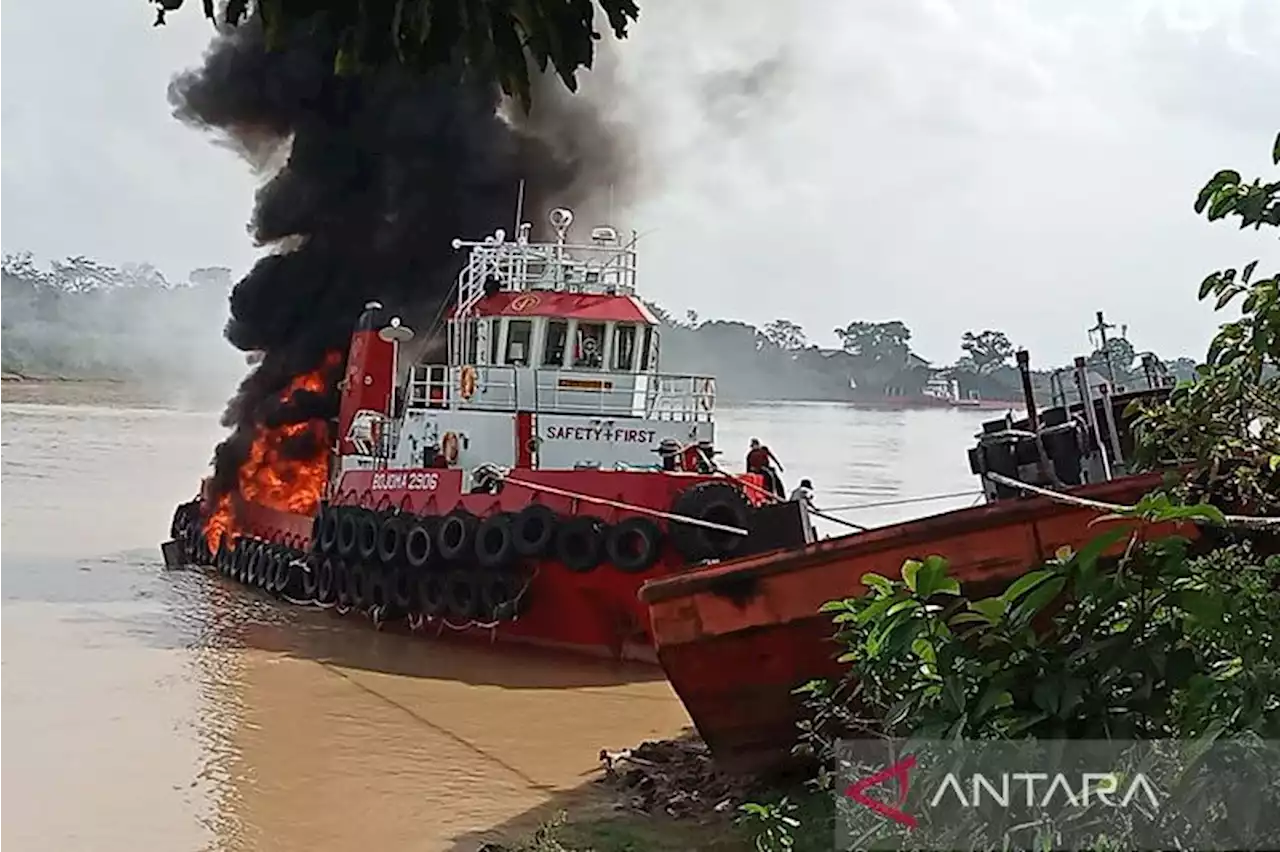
column 519, row 207
column 1101, row 328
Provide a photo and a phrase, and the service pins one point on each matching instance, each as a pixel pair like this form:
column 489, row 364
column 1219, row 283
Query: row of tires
column 581, row 543
column 287, row 572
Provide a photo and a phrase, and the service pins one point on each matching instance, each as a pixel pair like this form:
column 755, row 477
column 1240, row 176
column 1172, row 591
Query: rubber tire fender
column 348, row 532
column 462, row 594
column 534, row 530
column 326, row 581
column 391, row 535
column 360, row 586
column 419, row 544
column 430, row 590
column 580, row 543
column 379, row 586
column 502, row 595
column 717, row 502
column 342, row 582
column 495, row 544
column 368, row 526
column 633, row 545
column 401, row 591
column 456, row 536
column 329, row 530
column 285, row 571
column 317, row 527
column 309, row 580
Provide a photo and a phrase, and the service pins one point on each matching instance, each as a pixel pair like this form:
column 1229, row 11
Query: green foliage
column 1158, row 642
column 772, row 824
column 989, row 350
column 500, row 38
column 1226, row 423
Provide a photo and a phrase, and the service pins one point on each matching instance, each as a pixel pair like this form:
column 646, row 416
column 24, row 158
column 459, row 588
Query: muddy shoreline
column 20, row 388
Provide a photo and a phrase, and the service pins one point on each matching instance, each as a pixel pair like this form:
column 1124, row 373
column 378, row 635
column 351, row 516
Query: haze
column 957, row 165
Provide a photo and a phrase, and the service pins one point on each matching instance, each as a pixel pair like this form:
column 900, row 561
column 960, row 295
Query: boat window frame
column 549, row 341
column 513, row 325
column 580, row 362
column 619, row 333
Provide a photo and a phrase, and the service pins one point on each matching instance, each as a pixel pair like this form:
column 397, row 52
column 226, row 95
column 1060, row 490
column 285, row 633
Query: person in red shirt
column 760, row 459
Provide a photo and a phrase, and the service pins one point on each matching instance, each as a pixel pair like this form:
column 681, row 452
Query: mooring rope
column 616, row 504
column 902, row 501
column 1247, row 521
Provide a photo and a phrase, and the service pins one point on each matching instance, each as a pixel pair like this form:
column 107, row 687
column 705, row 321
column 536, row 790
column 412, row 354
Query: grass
column 592, row 830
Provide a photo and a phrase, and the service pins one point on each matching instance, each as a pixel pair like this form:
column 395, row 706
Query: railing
column 645, row 395
column 600, row 268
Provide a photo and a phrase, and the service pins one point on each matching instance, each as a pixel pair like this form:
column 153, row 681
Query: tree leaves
column 498, row 39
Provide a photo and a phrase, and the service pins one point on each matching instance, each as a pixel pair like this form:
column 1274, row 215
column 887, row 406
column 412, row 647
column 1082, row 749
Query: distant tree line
column 78, row 318
column 875, row 362
column 81, row 318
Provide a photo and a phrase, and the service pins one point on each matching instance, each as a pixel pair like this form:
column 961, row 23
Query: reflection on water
column 167, row 710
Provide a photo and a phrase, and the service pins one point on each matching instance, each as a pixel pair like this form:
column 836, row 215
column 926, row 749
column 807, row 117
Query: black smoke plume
column 384, row 169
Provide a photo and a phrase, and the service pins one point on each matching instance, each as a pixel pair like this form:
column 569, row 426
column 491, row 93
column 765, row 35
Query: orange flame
column 268, row 477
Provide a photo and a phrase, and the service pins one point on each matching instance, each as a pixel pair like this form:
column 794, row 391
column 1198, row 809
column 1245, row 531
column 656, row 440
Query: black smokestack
column 384, row 169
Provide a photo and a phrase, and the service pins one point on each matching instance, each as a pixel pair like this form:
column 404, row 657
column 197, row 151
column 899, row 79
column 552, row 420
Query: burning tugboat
column 523, row 486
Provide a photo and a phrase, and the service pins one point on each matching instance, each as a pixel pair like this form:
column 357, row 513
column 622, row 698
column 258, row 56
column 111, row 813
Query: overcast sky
column 957, row 164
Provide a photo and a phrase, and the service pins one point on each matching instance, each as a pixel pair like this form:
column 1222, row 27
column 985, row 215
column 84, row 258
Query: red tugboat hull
column 597, row 612
column 736, row 638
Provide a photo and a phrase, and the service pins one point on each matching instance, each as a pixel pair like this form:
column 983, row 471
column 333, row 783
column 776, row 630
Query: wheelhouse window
column 519, row 333
column 494, row 331
column 473, row 341
column 624, row 348
column 646, row 349
column 557, row 338
column 588, row 350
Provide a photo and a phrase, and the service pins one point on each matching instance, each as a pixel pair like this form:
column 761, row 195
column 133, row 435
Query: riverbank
column 667, row 796
column 19, row 388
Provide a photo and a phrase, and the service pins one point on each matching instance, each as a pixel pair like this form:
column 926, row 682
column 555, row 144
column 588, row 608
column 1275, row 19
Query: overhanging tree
column 498, row 38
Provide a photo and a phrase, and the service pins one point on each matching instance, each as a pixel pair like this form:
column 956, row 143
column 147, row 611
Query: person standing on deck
column 760, row 459
column 803, row 493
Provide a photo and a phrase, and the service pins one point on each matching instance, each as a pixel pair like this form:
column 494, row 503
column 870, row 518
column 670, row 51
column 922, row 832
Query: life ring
column 716, row 502
column 449, row 448
column 455, row 538
column 633, row 545
column 495, row 542
column 534, row 530
column 580, row 543
column 467, row 382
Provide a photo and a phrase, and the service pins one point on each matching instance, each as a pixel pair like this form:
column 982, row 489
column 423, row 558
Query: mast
column 1101, row 329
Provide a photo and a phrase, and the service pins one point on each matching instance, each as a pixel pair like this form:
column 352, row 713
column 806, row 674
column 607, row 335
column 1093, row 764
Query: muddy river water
column 145, row 709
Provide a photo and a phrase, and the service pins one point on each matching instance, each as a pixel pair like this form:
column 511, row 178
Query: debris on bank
column 675, row 777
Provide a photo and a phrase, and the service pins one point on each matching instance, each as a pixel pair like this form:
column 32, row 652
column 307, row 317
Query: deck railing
column 653, row 396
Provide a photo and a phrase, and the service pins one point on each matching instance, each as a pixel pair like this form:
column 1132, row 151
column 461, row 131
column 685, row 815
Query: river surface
column 145, row 709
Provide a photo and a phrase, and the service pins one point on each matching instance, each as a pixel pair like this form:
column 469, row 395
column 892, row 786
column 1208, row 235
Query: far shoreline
column 110, row 391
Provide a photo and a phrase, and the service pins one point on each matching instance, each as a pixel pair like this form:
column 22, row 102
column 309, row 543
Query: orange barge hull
column 736, row 638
